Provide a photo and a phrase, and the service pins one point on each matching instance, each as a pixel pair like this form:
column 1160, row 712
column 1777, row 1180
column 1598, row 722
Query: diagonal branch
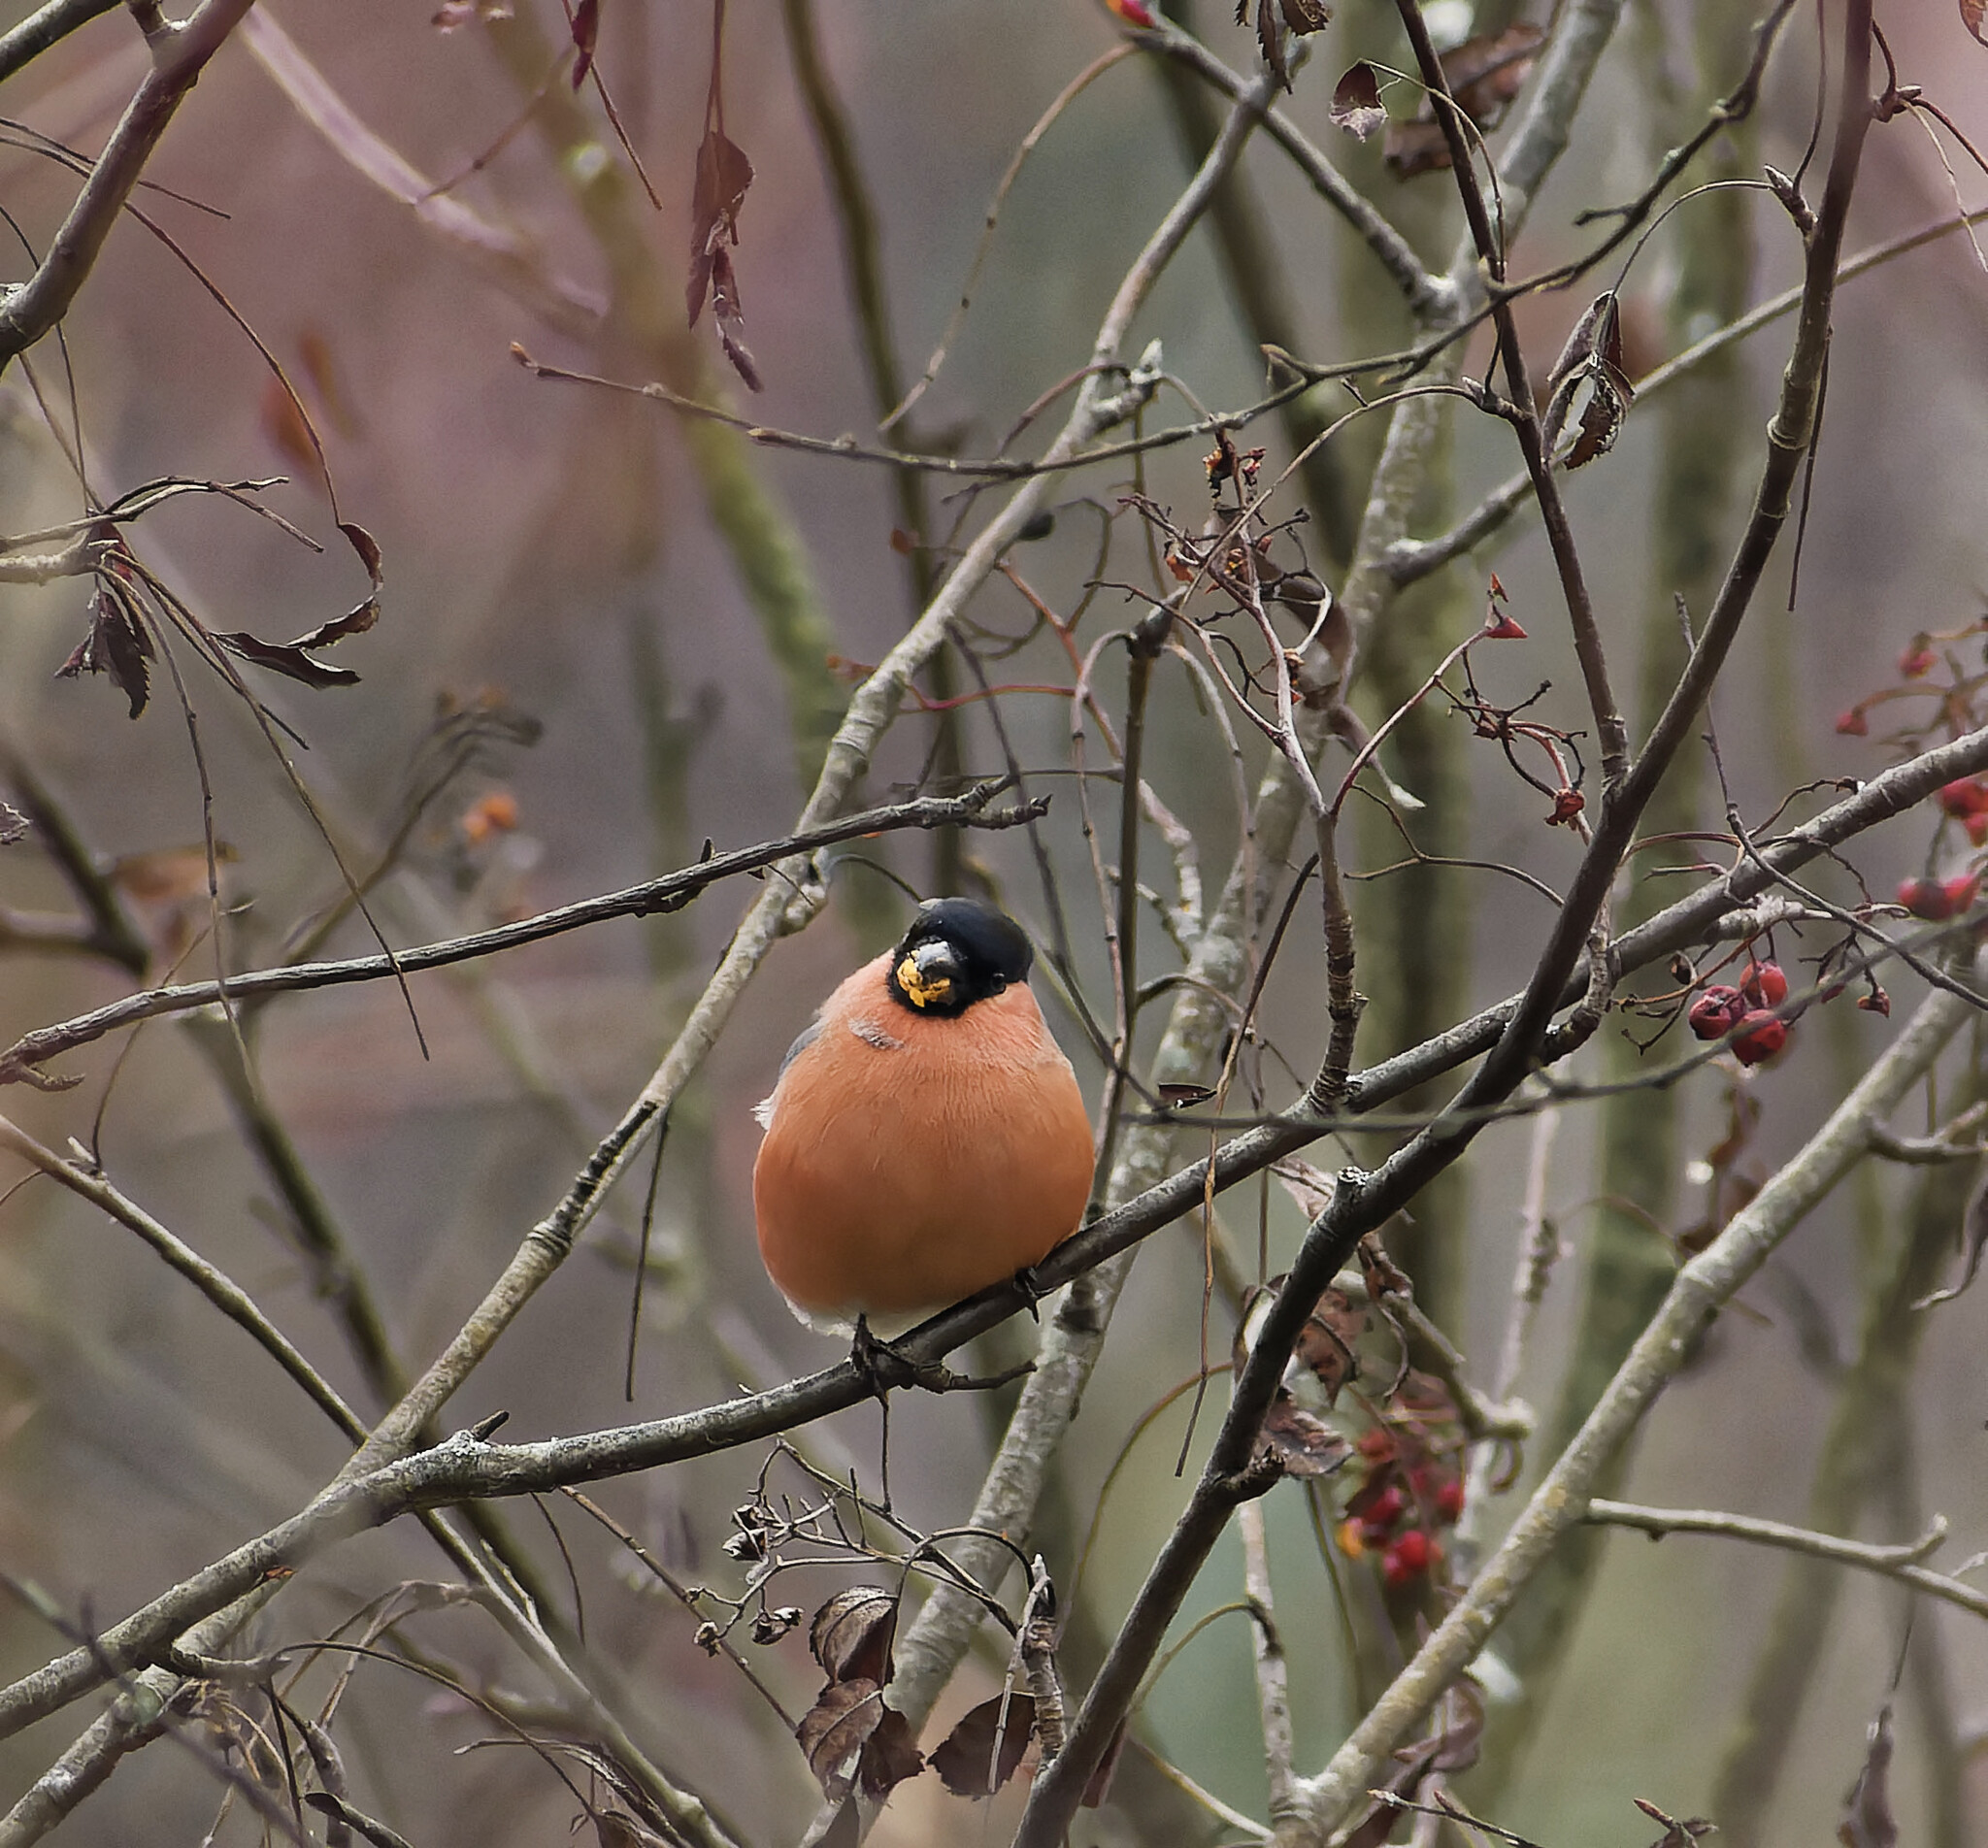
column 179, row 53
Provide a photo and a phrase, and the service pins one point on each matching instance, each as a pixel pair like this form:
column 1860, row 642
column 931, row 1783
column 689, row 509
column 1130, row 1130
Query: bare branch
column 179, row 53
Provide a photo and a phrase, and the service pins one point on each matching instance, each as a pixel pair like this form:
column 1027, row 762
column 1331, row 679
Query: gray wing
column 807, row 1035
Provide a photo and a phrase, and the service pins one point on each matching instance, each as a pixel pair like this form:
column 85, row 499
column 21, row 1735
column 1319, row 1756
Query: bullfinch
column 926, row 1137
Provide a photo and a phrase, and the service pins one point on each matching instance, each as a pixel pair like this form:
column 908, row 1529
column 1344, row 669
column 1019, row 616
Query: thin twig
column 670, row 893
column 179, row 53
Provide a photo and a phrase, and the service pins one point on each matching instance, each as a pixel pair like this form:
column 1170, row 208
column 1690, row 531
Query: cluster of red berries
column 1938, row 900
column 1747, row 1010
column 1408, row 1491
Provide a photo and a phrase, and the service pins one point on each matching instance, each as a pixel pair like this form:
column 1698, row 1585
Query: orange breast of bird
column 910, row 1160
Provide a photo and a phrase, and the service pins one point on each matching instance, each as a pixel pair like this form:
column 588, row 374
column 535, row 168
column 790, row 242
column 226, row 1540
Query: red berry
column 1717, row 1012
column 1917, row 660
column 1925, row 898
column 1960, row 892
column 1450, row 1499
column 1963, row 797
column 1851, row 724
column 1380, row 1514
column 1764, row 984
column 1761, row 1037
column 1877, row 1002
column 1408, row 1558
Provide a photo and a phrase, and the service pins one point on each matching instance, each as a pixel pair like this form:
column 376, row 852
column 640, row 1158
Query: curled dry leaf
column 1326, row 1342
column 852, row 1634
column 1974, row 16
column 286, row 658
column 14, row 825
column 1356, row 105
column 118, row 643
column 1272, row 16
column 587, row 30
column 984, row 1750
column 1609, row 396
column 1304, row 1444
column 723, row 173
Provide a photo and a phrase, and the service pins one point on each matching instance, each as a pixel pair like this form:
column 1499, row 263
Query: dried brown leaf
column 1609, row 396
column 286, row 658
column 723, row 173
column 367, row 546
column 851, row 1738
column 1326, row 1342
column 1270, row 37
column 852, row 1634
column 1385, row 1277
column 1356, row 105
column 1484, row 74
column 1581, row 340
column 834, row 1730
column 726, row 313
column 1974, row 16
column 1415, row 146
column 586, row 29
column 982, row 1752
column 1303, row 1442
column 118, row 644
column 889, row 1757
column 1305, row 15
column 369, row 1828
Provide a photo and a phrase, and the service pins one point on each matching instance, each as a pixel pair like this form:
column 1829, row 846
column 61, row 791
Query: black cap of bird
column 926, row 1137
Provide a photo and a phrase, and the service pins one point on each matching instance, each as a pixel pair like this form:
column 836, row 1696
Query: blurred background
column 608, row 634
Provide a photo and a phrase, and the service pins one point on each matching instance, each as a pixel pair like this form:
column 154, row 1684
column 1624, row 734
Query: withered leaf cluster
column 853, row 1740
column 1273, row 18
column 719, row 191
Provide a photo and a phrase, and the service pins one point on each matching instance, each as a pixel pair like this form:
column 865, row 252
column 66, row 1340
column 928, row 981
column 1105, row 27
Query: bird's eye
column 997, row 985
